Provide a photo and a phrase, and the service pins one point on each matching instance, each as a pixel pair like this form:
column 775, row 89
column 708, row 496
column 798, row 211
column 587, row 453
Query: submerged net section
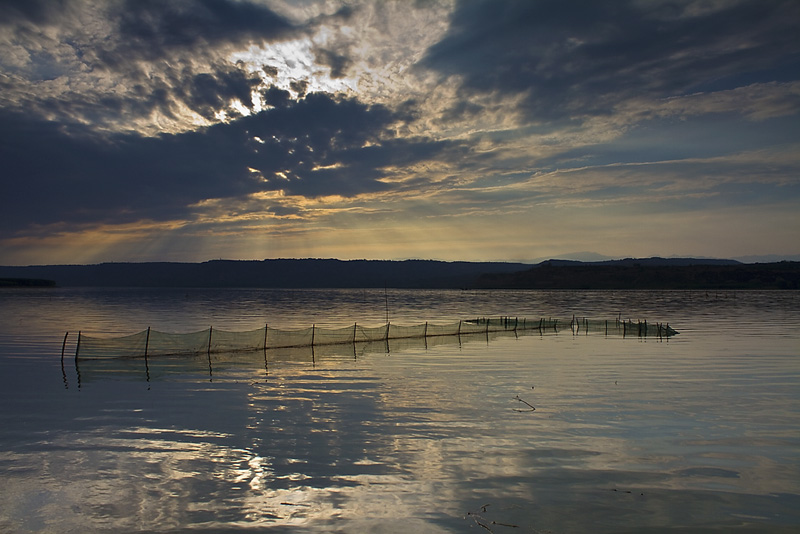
column 155, row 343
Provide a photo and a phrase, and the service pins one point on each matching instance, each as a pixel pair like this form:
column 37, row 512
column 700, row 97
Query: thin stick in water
column 532, row 408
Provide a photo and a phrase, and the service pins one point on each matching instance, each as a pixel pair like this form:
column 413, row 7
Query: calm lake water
column 697, row 433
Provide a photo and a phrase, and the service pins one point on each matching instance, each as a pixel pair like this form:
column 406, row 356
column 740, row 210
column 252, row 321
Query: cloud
column 573, row 59
column 146, row 66
column 152, row 29
column 320, row 145
column 200, row 117
column 209, row 92
column 338, row 63
column 756, row 102
column 157, row 67
column 35, row 11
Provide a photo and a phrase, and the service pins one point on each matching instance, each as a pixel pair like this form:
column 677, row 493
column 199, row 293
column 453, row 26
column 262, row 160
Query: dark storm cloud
column 324, row 145
column 206, row 93
column 153, row 28
column 317, row 146
column 36, row 11
column 584, row 57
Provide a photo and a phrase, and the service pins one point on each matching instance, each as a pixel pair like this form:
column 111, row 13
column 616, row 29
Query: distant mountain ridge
column 629, row 273
column 272, row 273
column 651, row 273
column 654, row 261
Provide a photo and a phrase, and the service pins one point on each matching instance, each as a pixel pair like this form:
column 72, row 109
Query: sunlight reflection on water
column 695, row 432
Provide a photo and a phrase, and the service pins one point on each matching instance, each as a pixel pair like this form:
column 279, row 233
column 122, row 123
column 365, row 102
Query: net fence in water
column 155, row 343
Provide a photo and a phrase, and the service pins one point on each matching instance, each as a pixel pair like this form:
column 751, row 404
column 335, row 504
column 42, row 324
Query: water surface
column 695, row 433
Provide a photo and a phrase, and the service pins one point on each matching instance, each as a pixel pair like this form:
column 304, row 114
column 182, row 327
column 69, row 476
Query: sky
column 475, row 130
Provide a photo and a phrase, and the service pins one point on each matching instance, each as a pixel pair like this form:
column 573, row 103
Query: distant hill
column 277, row 273
column 769, row 258
column 650, row 262
column 631, row 273
column 652, row 273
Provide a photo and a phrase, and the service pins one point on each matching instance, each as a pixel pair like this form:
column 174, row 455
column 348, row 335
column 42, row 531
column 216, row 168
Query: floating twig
column 479, row 519
column 511, row 525
column 532, row 408
column 483, row 522
column 641, row 494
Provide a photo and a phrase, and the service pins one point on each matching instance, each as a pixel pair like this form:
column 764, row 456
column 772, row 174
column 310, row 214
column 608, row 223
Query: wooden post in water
column 355, row 325
column 266, row 328
column 386, row 298
column 313, row 331
column 147, row 342
column 210, row 331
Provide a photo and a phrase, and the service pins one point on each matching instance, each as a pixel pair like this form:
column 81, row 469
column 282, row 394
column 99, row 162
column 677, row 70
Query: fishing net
column 118, row 347
column 212, row 341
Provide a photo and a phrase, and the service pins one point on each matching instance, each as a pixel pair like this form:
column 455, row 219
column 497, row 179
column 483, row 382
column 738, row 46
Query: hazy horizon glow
column 452, row 130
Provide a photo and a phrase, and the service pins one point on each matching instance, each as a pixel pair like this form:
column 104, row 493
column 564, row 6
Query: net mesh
column 118, row 347
column 224, row 341
column 189, row 343
column 367, row 334
column 155, row 343
column 290, row 338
